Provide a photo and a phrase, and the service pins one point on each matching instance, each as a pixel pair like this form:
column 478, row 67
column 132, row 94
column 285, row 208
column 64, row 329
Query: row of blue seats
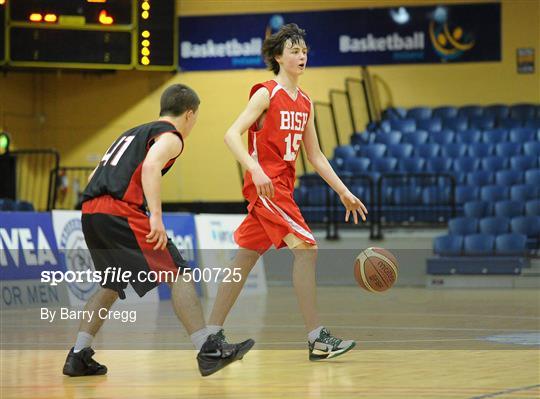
column 527, row 225
column 7, row 204
column 447, row 136
column 527, row 164
column 512, row 244
column 507, row 208
column 457, row 124
column 521, row 111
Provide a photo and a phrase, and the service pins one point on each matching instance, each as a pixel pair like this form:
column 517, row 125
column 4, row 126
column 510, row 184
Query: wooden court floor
column 412, row 343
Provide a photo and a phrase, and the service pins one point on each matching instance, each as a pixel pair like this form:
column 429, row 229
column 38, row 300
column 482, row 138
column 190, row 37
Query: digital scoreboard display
column 89, row 34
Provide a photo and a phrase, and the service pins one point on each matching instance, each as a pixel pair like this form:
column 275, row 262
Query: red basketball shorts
column 270, row 220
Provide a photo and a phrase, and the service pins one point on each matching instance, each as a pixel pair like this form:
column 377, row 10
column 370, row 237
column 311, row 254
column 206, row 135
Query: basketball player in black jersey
column 125, row 184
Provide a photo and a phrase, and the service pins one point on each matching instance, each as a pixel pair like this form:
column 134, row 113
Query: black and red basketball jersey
column 119, row 172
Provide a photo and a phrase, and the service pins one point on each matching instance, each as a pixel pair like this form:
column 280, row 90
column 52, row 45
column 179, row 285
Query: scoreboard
column 89, row 34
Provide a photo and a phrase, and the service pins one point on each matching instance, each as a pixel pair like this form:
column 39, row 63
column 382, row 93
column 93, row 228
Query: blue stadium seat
column 527, row 225
column 415, row 138
column 532, row 148
column 479, row 178
column 495, row 136
column 435, row 196
column 431, row 124
column 462, row 226
column 479, row 244
column 419, row 113
column 522, row 134
column 357, row 165
column 498, row 111
column 477, row 209
column 448, row 245
column 532, row 207
column 508, row 149
column 456, row 124
column 466, row 164
column 481, row 150
column 532, row 177
column 311, row 179
column 533, row 123
column 444, row 112
column 508, row 208
column 466, row 194
column 385, row 126
column 523, row 162
column 460, row 177
column 407, row 195
column 375, row 150
column 468, row 136
column 300, row 195
column 482, row 122
column 493, row 164
column 395, row 113
column 344, row 152
column 494, row 225
column 358, row 139
column 509, row 123
column 23, row 206
column 411, row 165
column 388, row 138
column 438, row 165
column 428, row 150
column 454, row 150
column 493, row 193
column 7, row 204
column 404, row 150
column 403, row 125
column 443, row 137
column 512, row 244
column 524, row 192
column 316, row 196
column 508, row 177
column 468, row 111
column 523, row 111
column 384, row 165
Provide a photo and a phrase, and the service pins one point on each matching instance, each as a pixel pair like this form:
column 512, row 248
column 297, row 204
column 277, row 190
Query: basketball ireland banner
column 374, row 36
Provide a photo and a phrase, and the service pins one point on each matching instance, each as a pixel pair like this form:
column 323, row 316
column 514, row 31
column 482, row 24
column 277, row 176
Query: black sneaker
column 243, row 347
column 81, row 363
column 216, row 353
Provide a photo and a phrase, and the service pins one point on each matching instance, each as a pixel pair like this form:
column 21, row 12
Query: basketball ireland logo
column 449, row 40
column 77, row 258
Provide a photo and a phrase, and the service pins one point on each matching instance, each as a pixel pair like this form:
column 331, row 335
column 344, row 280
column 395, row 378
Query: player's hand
column 354, row 206
column 263, row 183
column 157, row 232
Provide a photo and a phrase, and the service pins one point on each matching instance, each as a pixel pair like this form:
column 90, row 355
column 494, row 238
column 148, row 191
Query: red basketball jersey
column 275, row 140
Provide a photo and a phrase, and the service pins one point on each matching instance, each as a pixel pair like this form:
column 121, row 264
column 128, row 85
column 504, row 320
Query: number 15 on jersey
column 292, row 142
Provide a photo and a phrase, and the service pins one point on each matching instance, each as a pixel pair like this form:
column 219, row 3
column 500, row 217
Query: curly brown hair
column 274, row 44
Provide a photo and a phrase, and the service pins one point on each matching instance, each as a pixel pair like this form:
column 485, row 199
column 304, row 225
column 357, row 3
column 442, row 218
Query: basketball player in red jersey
column 279, row 117
column 119, row 233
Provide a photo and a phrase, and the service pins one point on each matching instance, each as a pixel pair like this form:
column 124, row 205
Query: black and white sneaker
column 216, row 353
column 81, row 363
column 326, row 346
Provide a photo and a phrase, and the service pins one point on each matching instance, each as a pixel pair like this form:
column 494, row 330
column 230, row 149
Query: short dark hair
column 274, row 44
column 177, row 99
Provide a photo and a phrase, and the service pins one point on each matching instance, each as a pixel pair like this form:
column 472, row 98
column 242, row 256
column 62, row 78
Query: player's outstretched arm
column 166, row 147
column 257, row 105
column 325, row 170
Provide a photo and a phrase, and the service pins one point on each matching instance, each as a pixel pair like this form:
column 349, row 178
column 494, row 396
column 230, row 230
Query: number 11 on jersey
column 293, row 144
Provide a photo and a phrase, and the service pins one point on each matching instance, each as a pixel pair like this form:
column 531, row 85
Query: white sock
column 84, row 340
column 199, row 338
column 213, row 329
column 313, row 335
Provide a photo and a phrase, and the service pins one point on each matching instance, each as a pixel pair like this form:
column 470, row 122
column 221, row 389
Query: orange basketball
column 375, row 269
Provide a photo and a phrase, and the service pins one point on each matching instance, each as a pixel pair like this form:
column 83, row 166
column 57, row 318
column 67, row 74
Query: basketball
column 375, row 269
